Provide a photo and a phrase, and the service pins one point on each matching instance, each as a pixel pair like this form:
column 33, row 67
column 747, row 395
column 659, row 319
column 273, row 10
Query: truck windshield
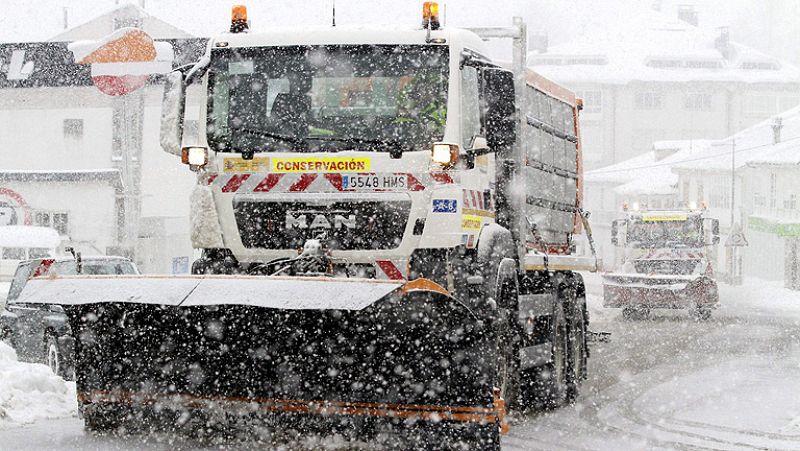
column 327, row 98
column 662, row 233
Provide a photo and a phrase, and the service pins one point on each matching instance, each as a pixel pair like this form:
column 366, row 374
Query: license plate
column 374, row 182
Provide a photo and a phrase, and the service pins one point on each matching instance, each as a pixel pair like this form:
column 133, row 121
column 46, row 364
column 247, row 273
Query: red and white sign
column 13, row 208
column 124, row 60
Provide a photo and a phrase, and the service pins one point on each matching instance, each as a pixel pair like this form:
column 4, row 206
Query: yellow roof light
column 239, row 21
column 430, row 15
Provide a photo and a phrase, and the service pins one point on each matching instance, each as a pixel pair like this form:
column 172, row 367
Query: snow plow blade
column 659, row 291
column 277, row 348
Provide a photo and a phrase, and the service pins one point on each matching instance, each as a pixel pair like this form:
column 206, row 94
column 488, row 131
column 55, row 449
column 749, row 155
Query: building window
column 648, row 101
column 759, row 200
column 700, row 193
column 790, row 203
column 760, row 105
column 698, row 101
column 592, row 101
column 54, row 219
column 73, row 129
column 685, row 190
column 719, row 194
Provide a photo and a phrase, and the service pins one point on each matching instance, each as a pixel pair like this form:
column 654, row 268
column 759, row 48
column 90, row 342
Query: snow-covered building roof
column 625, row 41
column 111, row 176
column 28, row 236
column 756, row 145
column 650, row 173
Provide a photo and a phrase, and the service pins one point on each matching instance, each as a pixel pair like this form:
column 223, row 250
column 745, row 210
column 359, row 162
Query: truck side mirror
column 172, row 109
column 499, row 97
column 615, row 231
column 714, row 225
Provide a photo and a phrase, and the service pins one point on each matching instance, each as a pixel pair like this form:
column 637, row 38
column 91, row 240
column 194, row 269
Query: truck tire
column 486, row 438
column 216, row 261
column 545, row 387
column 99, row 419
column 508, row 372
column 635, row 313
column 577, row 355
column 700, row 313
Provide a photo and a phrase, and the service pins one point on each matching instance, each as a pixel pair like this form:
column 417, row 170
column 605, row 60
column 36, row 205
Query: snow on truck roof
column 29, row 236
column 350, row 35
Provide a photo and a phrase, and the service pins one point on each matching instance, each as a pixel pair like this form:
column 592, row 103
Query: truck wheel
column 487, row 438
column 216, row 261
column 101, row 419
column 700, row 313
column 635, row 313
column 545, row 387
column 507, row 372
column 576, row 363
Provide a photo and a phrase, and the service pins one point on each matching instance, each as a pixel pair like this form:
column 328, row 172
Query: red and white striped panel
column 311, row 182
column 391, row 269
column 473, row 200
column 671, row 254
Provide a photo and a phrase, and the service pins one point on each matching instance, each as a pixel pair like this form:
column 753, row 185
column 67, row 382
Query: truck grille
column 671, row 267
column 350, row 224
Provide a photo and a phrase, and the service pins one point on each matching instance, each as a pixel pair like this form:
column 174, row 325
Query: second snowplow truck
column 386, row 219
column 666, row 263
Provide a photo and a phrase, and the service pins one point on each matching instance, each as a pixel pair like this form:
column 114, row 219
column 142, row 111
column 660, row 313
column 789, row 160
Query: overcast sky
column 33, row 20
column 38, row 20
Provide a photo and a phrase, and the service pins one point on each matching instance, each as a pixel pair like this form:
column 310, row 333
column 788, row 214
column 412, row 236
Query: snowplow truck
column 666, row 263
column 386, row 221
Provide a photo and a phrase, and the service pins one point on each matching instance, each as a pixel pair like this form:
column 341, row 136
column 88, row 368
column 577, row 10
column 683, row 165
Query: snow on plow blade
column 658, row 291
column 298, row 347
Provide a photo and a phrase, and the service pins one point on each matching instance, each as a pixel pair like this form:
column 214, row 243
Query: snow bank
column 760, row 299
column 30, row 392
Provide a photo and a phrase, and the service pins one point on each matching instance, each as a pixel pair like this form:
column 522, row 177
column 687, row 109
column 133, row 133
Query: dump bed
column 551, row 152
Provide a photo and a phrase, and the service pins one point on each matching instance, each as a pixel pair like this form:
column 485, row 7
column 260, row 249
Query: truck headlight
column 195, row 157
column 444, row 154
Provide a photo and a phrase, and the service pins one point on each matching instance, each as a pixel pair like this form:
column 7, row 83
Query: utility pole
column 732, row 247
column 733, row 180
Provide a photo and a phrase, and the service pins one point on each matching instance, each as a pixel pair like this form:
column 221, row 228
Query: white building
column 646, row 76
column 88, row 164
column 764, row 161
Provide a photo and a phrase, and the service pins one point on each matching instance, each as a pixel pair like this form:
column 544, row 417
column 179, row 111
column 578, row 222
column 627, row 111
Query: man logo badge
column 319, row 221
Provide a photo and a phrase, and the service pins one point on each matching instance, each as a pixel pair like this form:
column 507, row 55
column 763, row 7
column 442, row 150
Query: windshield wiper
column 395, row 147
column 276, row 136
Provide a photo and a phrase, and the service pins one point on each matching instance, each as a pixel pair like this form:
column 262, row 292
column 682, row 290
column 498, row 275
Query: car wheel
column 53, row 355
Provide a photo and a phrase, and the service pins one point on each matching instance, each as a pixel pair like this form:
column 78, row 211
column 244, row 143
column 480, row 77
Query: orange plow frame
column 496, row 414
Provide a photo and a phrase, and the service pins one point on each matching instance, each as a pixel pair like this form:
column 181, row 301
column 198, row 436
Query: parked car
column 40, row 333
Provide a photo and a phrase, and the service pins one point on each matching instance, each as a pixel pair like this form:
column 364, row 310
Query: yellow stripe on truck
column 321, row 164
column 257, row 164
column 470, row 222
column 664, row 218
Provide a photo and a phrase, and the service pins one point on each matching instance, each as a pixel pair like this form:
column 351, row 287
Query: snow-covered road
column 673, row 383
column 665, row 383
